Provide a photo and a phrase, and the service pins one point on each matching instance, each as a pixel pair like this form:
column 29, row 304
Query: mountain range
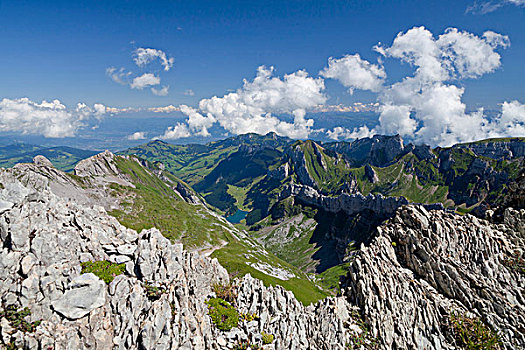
column 353, row 221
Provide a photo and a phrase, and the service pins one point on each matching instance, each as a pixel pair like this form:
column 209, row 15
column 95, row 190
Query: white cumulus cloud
column 145, row 80
column 355, row 73
column 139, row 135
column 427, row 106
column 50, row 119
column 143, row 56
column 178, row 131
column 253, row 107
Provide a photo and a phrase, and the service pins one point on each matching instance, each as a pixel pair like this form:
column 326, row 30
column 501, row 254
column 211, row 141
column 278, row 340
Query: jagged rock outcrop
column 371, row 174
column 42, row 161
column 298, row 159
column 423, row 152
column 98, row 165
column 44, row 239
column 378, row 150
column 424, row 265
column 349, row 203
column 87, row 190
column 505, row 149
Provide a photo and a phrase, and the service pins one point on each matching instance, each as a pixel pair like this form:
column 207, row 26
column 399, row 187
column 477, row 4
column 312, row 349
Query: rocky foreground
column 45, row 239
column 400, row 292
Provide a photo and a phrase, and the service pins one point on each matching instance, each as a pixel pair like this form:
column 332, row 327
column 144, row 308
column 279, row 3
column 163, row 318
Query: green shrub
column 472, row 334
column 267, row 338
column 105, row 270
column 17, row 320
column 223, row 314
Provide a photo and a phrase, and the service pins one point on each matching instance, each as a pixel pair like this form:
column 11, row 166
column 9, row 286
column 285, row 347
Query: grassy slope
column 153, row 204
column 330, row 278
column 329, row 172
column 401, row 179
column 235, row 255
column 290, row 241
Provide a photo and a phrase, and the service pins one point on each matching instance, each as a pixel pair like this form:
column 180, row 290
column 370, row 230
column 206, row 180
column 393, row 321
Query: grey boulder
column 86, row 293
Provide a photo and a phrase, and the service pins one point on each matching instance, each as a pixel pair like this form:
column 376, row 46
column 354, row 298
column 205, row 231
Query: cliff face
column 377, row 150
column 349, row 203
column 298, row 159
column 508, row 149
column 45, row 239
column 422, row 266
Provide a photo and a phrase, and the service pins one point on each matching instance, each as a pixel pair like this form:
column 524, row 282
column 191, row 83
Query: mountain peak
column 40, row 160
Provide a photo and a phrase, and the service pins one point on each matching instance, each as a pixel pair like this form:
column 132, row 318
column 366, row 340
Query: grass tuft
column 472, row 334
column 103, row 269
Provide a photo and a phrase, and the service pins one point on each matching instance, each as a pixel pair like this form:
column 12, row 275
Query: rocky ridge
column 377, row 150
column 44, row 240
column 422, row 266
column 349, row 203
column 498, row 149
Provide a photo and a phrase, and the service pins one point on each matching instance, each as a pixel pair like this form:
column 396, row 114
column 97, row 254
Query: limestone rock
column 45, row 237
column 349, row 203
column 424, row 265
column 84, row 294
column 42, row 161
column 97, row 165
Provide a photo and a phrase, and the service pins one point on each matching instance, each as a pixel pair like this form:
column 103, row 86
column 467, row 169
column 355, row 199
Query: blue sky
column 61, row 49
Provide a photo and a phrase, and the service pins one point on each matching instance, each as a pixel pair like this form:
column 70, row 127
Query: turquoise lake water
column 237, row 217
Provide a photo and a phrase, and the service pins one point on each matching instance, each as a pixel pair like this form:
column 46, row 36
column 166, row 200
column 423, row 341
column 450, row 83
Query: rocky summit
column 73, row 277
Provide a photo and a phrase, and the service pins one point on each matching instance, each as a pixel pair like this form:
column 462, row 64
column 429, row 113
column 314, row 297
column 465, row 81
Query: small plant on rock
column 173, row 309
column 241, row 345
column 245, row 345
column 223, row 314
column 17, row 317
column 103, row 269
column 226, row 291
column 267, row 338
column 472, row 334
column 363, row 340
column 153, row 292
column 249, row 317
